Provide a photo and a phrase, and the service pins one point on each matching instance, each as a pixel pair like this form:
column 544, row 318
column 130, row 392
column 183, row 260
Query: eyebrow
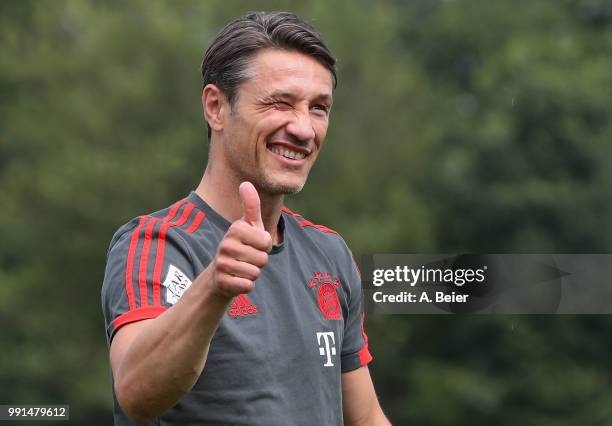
column 279, row 94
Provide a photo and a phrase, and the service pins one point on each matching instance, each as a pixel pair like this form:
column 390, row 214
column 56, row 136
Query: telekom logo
column 327, row 348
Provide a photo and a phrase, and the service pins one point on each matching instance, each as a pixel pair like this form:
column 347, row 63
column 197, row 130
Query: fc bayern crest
column 327, row 295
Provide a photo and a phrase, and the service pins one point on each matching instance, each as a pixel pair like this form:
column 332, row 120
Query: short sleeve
column 148, row 268
column 355, row 352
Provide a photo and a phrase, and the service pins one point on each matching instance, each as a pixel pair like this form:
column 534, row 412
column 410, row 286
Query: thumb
column 251, row 206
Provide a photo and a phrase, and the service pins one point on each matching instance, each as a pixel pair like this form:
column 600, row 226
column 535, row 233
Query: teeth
column 287, row 153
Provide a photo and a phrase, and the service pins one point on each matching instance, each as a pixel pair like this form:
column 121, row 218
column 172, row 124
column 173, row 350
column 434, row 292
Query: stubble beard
column 256, row 173
column 267, row 184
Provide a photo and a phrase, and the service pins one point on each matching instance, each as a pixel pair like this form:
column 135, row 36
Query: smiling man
column 226, row 307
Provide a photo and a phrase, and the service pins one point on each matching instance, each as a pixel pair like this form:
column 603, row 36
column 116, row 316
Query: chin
column 282, row 188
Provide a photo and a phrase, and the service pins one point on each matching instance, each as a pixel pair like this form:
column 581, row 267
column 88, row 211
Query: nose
column 301, row 127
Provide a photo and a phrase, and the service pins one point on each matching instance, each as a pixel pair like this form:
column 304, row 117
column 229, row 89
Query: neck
column 221, row 194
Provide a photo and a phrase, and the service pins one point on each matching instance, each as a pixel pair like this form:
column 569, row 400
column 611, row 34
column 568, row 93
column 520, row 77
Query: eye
column 321, row 107
column 282, row 105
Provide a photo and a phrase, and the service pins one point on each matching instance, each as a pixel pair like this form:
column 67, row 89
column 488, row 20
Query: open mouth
column 289, row 153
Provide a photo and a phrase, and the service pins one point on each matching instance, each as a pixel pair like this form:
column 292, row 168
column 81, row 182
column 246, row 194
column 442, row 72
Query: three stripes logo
column 242, row 306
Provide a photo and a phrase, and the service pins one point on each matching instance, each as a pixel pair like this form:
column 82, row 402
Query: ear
column 215, row 106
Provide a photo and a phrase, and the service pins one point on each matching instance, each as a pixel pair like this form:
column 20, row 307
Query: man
column 227, row 308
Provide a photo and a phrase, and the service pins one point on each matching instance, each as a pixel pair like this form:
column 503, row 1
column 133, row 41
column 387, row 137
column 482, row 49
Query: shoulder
column 304, row 227
column 174, row 222
column 329, row 240
column 304, row 223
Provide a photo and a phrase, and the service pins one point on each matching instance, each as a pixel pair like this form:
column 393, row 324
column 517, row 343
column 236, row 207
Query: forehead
column 274, row 69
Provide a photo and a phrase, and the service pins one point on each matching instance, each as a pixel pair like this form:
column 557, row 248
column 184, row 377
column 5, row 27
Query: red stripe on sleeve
column 286, row 210
column 161, row 248
column 129, row 269
column 364, row 353
column 304, row 223
column 364, row 356
column 196, row 223
column 144, row 262
column 174, row 210
column 137, row 315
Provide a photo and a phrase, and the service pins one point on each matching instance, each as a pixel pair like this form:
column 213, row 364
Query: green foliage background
column 458, row 126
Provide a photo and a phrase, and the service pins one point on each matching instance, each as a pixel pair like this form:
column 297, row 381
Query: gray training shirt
column 279, row 351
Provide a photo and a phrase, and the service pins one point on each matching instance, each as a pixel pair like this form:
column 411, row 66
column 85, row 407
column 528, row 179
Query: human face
column 278, row 122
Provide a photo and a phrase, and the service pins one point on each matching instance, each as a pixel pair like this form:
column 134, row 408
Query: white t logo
column 329, row 347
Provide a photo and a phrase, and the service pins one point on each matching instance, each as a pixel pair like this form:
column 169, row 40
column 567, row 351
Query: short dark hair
column 227, row 59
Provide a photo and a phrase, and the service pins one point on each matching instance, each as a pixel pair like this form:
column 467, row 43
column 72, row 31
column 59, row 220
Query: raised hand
column 243, row 252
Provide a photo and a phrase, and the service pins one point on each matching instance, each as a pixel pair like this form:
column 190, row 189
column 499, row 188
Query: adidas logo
column 242, row 306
